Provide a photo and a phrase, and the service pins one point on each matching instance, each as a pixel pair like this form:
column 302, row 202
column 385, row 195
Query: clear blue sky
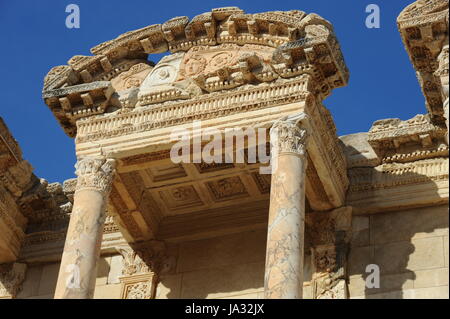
column 34, row 39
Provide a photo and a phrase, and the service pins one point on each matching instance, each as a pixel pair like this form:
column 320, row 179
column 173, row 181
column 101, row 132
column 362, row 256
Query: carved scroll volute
column 95, row 174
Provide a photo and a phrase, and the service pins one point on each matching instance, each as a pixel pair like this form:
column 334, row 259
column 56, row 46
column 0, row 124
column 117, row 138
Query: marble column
column 78, row 268
column 285, row 237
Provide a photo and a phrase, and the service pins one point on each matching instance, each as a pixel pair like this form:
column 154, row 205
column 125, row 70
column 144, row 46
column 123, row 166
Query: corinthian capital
column 288, row 136
column 11, row 279
column 95, row 173
column 442, row 70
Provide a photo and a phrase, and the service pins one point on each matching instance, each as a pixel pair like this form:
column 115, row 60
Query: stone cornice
column 201, row 108
column 11, row 279
column 303, row 43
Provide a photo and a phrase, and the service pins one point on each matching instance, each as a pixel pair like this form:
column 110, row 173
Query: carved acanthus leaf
column 95, row 173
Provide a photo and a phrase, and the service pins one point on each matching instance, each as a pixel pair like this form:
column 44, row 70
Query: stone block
column 356, row 286
column 360, row 223
column 427, row 293
column 392, row 283
column 30, row 286
column 446, row 239
column 358, row 151
column 360, row 238
column 223, row 281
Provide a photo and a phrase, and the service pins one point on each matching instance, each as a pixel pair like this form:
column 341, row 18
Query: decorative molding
column 301, row 44
column 11, row 279
column 96, row 174
column 390, row 136
column 142, row 286
column 391, row 175
column 288, row 137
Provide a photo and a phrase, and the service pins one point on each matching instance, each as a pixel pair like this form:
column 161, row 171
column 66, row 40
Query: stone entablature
column 393, row 138
column 423, row 26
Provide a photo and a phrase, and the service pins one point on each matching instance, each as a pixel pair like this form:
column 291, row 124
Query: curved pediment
column 219, row 50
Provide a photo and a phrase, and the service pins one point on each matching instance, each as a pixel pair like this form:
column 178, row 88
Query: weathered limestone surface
column 286, row 229
column 411, row 249
column 143, row 227
column 82, row 247
column 423, row 26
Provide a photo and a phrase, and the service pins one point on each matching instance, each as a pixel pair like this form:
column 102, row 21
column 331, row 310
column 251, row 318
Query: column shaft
column 78, row 268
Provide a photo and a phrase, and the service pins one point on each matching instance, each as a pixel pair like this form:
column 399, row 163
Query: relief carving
column 132, row 78
column 328, row 235
column 11, row 279
column 96, row 174
column 287, row 136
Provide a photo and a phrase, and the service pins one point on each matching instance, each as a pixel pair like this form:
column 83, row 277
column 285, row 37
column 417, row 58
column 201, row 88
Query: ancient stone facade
column 135, row 224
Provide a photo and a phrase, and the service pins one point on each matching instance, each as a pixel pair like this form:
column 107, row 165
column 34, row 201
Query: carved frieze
column 328, row 235
column 287, row 136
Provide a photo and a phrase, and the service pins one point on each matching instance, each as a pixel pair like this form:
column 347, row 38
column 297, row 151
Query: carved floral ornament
column 95, row 173
column 219, row 50
column 423, row 26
